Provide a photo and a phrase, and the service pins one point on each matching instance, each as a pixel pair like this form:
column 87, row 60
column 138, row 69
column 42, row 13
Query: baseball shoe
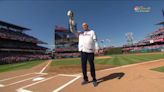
column 84, row 82
column 95, row 83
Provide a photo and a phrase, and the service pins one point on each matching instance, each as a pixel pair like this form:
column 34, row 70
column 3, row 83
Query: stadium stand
column 66, row 43
column 17, row 46
column 154, row 42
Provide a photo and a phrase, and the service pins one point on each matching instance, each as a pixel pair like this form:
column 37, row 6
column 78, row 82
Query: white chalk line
column 15, row 77
column 68, row 75
column 123, row 66
column 130, row 65
column 22, row 80
column 23, row 88
column 41, row 72
column 45, row 67
column 67, row 84
column 63, row 86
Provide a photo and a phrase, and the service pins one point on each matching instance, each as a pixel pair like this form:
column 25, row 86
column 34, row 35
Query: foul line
column 124, row 66
column 130, row 65
column 77, row 77
column 45, row 67
column 41, row 72
column 67, row 75
column 22, row 89
column 68, row 83
column 15, row 77
column 22, row 80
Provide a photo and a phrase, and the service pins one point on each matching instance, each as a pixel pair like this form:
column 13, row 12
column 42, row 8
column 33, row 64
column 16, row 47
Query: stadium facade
column 66, row 43
column 17, row 46
column 153, row 42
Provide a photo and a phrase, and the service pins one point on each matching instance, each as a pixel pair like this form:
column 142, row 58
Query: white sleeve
column 94, row 36
column 96, row 45
column 95, row 40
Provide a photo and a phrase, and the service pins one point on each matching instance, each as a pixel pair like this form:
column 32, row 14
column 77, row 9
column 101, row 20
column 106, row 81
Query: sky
column 110, row 19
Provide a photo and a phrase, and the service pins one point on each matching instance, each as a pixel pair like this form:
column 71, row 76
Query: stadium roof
column 2, row 23
column 60, row 29
column 161, row 23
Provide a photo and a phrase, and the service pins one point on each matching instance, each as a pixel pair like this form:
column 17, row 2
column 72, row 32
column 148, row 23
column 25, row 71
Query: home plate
column 1, row 85
column 38, row 78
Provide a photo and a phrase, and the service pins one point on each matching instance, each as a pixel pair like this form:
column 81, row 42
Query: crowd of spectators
column 153, row 42
column 21, row 46
column 13, row 35
column 65, row 55
column 16, row 58
column 65, row 49
column 17, row 46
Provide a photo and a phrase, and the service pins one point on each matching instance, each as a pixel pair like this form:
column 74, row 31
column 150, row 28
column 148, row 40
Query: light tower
column 102, row 42
column 129, row 36
column 108, row 41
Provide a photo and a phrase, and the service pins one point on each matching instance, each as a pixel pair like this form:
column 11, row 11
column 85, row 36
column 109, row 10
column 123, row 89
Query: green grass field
column 159, row 69
column 116, row 60
column 19, row 66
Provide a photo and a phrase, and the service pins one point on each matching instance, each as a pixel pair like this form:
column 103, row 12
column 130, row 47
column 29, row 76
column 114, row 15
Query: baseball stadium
column 33, row 59
column 66, row 43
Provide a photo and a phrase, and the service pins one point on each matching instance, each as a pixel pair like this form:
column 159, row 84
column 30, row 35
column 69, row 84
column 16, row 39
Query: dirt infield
column 103, row 57
column 23, row 71
column 98, row 57
column 129, row 78
column 73, row 69
column 76, row 68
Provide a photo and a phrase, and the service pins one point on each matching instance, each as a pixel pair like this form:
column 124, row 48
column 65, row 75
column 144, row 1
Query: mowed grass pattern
column 19, row 66
column 116, row 60
column 119, row 60
column 159, row 69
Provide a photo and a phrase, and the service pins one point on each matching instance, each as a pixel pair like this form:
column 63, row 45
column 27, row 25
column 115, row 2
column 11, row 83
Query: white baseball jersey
column 87, row 41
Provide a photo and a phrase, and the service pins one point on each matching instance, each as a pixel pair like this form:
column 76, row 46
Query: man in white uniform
column 88, row 46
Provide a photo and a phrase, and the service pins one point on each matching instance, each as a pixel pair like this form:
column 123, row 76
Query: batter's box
column 18, row 79
column 51, row 84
